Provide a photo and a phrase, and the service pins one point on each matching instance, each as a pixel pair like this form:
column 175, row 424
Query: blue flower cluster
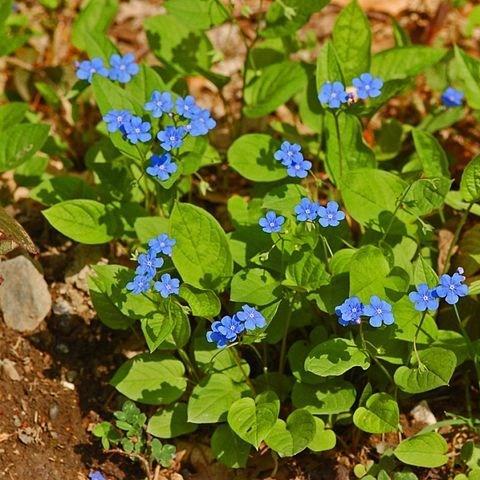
column 306, row 210
column 228, row 329
column 121, row 68
column 350, row 312
column 334, row 94
column 290, row 155
column 96, row 475
column 187, row 117
column 452, row 97
column 451, row 288
column 148, row 264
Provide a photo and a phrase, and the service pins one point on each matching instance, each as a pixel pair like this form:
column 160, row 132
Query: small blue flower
column 270, row 223
column 87, row 68
column 299, row 168
column 171, row 137
column 123, row 68
column 424, row 298
column 161, row 166
column 148, row 264
column 136, row 130
column 201, row 123
column 379, row 311
column 332, row 94
column 214, row 336
column 289, row 153
column 160, row 103
column 330, row 216
column 116, row 119
column 367, row 86
column 306, row 210
column 162, row 244
column 251, row 318
column 96, row 475
column 186, row 107
column 452, row 97
column 349, row 312
column 139, row 284
column 451, row 288
column 167, row 285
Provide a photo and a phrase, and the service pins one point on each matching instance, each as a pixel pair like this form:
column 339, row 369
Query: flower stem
column 186, row 359
column 236, row 357
column 340, row 148
column 283, row 350
column 416, row 336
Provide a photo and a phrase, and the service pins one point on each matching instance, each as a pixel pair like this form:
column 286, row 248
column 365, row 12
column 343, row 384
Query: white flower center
column 272, row 224
column 379, row 311
column 425, row 298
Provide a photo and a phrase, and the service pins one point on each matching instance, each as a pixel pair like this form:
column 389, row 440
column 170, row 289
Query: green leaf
column 252, row 420
column 19, row 143
column 324, row 439
column 58, row 189
column 251, row 156
column 432, row 156
column 160, row 323
column 211, row 399
column 272, row 87
column 13, row 234
column 147, row 228
column 255, row 285
column 202, row 303
column 435, row 370
column 297, row 355
column 12, row 113
column 403, row 62
column 306, row 272
column 328, row 67
column 291, row 437
column 283, row 199
column 352, row 41
column 468, row 72
column 228, row 448
column 170, row 422
column 427, row 450
column 352, row 153
column 202, row 254
column 470, row 183
column 330, row 397
column 151, row 378
column 379, row 415
column 369, row 270
column 335, row 357
column 101, row 286
column 85, row 221
column 198, row 14
column 426, row 195
column 424, row 273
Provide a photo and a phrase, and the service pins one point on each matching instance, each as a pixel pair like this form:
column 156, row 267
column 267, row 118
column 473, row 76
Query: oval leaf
column 379, row 415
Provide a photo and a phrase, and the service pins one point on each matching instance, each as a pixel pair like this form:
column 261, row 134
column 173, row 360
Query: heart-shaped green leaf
column 291, row 437
column 252, row 420
column 324, row 439
column 427, row 450
column 435, row 370
column 379, row 415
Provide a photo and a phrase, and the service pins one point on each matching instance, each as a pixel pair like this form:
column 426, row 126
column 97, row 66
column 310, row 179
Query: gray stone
column 24, row 297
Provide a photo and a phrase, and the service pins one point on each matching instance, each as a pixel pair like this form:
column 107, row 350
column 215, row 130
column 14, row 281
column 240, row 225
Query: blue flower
column 161, row 166
column 424, row 298
column 215, row 336
column 299, row 168
column 139, row 284
column 306, row 210
column 201, row 123
column 148, row 264
column 367, row 86
column 379, row 311
column 122, row 68
column 349, row 312
column 160, row 103
column 288, row 153
column 162, row 244
column 251, row 318
column 171, row 137
column 96, row 475
column 186, row 107
column 451, row 288
column 332, row 94
column 167, row 285
column 87, row 68
column 116, row 119
column 136, row 130
column 270, row 223
column 330, row 216
column 452, row 97
column 225, row 331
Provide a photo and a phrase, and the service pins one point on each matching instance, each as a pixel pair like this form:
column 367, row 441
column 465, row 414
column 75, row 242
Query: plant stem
column 416, row 335
column 456, row 236
column 340, row 148
column 184, row 356
column 283, row 350
column 236, row 357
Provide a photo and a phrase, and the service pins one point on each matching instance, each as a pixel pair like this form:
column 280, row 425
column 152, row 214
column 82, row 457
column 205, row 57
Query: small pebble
column 9, row 370
column 53, row 411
